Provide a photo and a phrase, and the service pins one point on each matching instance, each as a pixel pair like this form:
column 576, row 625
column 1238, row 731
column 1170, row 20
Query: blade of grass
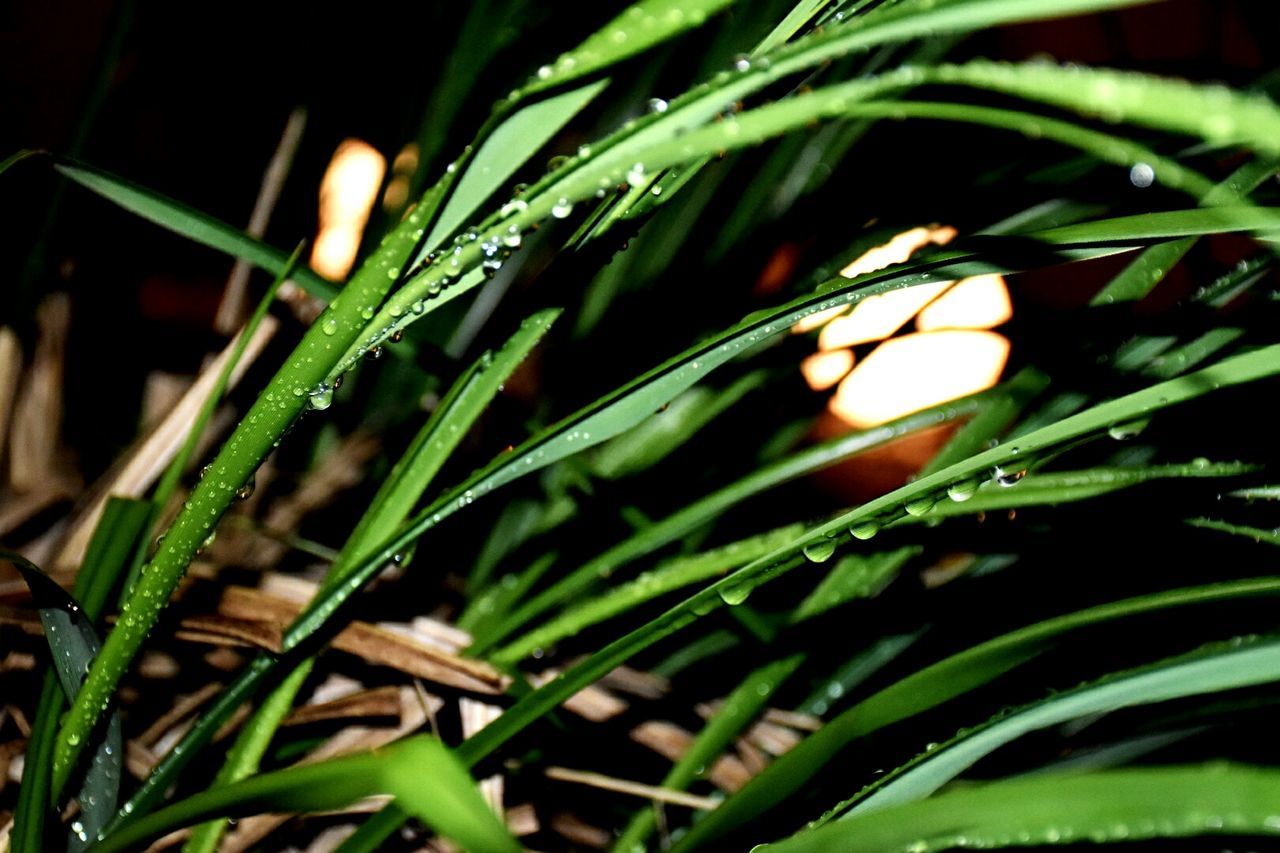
column 123, row 523
column 1257, row 534
column 740, row 708
column 409, row 478
column 299, row 383
column 420, row 772
column 199, row 227
column 172, row 475
column 939, row 683
column 1121, row 805
column 710, row 507
column 1150, row 267
column 73, row 644
column 1227, row 667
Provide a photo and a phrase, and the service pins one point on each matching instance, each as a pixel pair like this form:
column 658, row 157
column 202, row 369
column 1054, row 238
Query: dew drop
column 321, row 397
column 1008, row 478
column 1126, row 431
column 1142, row 175
column 865, row 530
column 562, row 208
column 330, row 326
column 820, row 551
column 921, row 506
column 735, row 593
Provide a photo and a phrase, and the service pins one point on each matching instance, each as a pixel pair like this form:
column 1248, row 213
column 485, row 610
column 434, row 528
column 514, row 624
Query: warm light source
column 947, row 358
column 824, row 369
column 980, row 302
column 877, row 317
column 913, row 372
column 347, row 193
column 897, row 250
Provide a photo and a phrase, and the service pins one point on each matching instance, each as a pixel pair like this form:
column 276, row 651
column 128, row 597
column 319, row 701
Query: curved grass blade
column 710, row 507
column 503, row 151
column 1225, row 667
column 937, row 684
column 739, row 709
column 172, row 475
column 650, row 441
column 1257, row 534
column 73, row 644
column 1151, row 266
column 735, row 589
column 18, row 156
column 1059, row 487
column 395, row 500
column 246, row 753
column 636, row 400
column 434, row 287
column 615, row 158
column 188, row 222
column 298, row 384
column 675, row 574
column 1216, row 114
column 641, row 26
column 1113, row 805
column 420, row 772
column 122, row 525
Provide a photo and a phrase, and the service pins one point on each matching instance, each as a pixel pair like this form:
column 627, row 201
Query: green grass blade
column 740, row 708
column 504, row 151
column 1238, row 370
column 246, row 753
column 188, row 222
column 939, row 683
column 1227, row 667
column 18, row 156
column 641, row 26
column 123, row 523
column 401, row 491
column 853, row 577
column 675, row 574
column 706, row 509
column 1216, row 114
column 1151, row 266
column 650, row 441
column 403, row 488
column 1115, row 805
column 1257, row 534
column 420, row 772
column 436, row 441
column 1059, row 487
column 298, row 384
column 172, row 475
column 73, row 644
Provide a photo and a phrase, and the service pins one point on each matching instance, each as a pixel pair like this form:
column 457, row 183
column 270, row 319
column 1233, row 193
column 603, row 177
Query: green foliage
column 677, row 588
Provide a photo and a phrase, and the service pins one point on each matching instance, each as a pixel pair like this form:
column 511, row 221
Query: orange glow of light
column 980, row 302
column 915, row 371
column 347, row 193
column 877, row 317
column 896, row 251
column 824, row 369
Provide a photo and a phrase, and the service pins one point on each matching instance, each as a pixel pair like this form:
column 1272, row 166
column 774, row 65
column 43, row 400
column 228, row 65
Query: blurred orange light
column 824, row 369
column 877, row 317
column 980, row 302
column 915, row 371
column 347, row 193
column 897, row 250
